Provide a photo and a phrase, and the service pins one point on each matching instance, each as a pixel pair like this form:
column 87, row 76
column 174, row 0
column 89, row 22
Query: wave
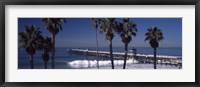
column 93, row 63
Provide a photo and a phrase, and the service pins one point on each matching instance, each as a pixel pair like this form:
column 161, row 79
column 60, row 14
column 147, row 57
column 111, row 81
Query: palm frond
column 54, row 25
column 29, row 39
column 126, row 30
column 154, row 35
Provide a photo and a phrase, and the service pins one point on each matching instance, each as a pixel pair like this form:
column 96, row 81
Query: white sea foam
column 93, row 63
column 106, row 64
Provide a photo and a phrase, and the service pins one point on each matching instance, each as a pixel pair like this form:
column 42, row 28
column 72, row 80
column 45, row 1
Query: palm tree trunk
column 53, row 52
column 97, row 50
column 111, row 55
column 45, row 64
column 31, row 62
column 125, row 56
column 155, row 58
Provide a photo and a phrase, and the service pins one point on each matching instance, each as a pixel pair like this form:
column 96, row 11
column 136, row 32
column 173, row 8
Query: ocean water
column 66, row 60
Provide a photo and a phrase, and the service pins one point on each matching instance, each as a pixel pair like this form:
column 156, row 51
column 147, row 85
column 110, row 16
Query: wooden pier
column 142, row 58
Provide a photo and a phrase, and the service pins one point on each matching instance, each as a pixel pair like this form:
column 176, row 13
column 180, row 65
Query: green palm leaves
column 127, row 29
column 53, row 25
column 154, row 36
column 108, row 27
column 31, row 40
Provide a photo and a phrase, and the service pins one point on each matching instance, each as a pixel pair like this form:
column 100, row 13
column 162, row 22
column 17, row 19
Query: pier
column 142, row 58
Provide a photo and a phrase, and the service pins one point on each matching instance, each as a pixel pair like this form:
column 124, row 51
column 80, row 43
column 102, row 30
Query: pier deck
column 144, row 58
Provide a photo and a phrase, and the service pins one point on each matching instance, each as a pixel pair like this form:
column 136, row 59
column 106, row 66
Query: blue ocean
column 65, row 60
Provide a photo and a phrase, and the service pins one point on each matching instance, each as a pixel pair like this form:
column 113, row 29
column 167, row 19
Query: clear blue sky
column 79, row 32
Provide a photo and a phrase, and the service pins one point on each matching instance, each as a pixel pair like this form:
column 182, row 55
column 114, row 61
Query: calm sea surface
column 65, row 60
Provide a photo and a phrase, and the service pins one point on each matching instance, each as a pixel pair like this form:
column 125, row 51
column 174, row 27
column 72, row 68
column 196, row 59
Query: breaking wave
column 93, row 63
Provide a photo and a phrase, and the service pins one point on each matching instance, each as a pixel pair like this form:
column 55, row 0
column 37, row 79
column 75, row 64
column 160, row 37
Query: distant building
column 134, row 51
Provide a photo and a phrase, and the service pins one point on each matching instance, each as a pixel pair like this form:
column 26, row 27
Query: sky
column 79, row 32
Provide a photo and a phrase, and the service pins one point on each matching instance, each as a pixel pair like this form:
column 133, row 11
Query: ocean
column 66, row 60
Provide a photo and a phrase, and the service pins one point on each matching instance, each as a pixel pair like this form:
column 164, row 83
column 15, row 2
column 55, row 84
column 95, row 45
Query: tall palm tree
column 53, row 25
column 95, row 22
column 154, row 35
column 108, row 26
column 30, row 40
column 46, row 48
column 126, row 30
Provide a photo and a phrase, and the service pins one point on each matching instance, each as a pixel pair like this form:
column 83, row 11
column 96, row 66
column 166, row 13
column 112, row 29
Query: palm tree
column 154, row 35
column 108, row 26
column 96, row 25
column 53, row 25
column 46, row 48
column 30, row 40
column 126, row 30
